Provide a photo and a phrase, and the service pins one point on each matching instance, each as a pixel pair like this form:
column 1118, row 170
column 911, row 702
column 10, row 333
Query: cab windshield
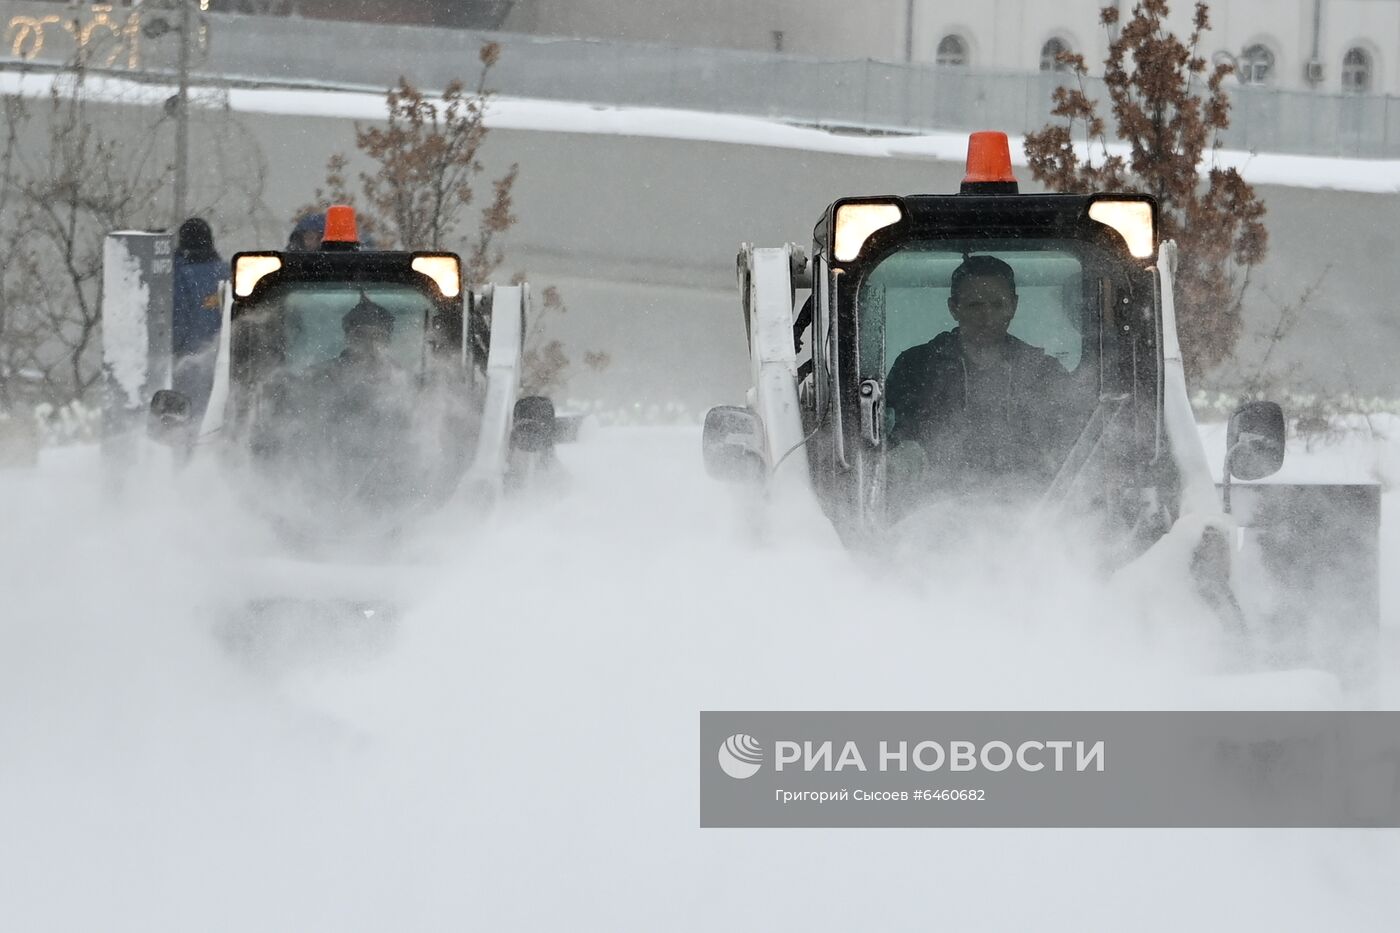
column 989, row 354
column 313, row 324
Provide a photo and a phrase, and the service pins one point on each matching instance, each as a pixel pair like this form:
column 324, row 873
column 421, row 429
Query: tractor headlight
column 446, row 271
column 855, row 223
column 1132, row 219
column 249, row 270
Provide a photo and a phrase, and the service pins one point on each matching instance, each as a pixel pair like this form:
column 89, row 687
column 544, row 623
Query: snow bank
column 1376, row 176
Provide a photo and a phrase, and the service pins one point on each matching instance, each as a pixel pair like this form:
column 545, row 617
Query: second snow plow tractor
column 356, row 390
column 989, row 358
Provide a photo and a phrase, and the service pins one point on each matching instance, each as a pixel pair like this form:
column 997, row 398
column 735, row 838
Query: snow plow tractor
column 991, row 356
column 351, row 392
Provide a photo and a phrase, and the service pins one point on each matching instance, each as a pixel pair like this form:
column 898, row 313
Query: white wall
column 1002, row 34
column 816, row 27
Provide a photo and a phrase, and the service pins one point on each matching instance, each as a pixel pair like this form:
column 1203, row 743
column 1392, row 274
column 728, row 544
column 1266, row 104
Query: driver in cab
column 368, row 328
column 364, row 376
column 976, row 408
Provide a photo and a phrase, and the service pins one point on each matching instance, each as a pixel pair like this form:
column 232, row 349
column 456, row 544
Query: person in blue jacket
column 199, row 271
column 306, row 235
column 309, row 230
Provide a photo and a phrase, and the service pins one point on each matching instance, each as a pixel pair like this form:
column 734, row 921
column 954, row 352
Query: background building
column 464, row 14
column 469, row 14
column 1327, row 46
column 1332, row 46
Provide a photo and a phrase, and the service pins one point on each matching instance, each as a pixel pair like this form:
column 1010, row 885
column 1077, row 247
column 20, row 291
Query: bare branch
column 1168, row 123
column 425, row 172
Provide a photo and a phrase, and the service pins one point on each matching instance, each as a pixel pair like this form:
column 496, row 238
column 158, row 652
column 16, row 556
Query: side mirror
column 169, row 416
column 732, row 445
column 1254, row 442
column 534, row 429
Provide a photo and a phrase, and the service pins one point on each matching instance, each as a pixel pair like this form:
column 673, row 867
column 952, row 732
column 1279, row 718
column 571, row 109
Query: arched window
column 1256, row 65
column 952, row 51
column 1050, row 55
column 1356, row 71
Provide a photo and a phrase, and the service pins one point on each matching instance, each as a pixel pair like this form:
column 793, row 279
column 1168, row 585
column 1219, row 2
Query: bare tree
column 74, row 168
column 547, row 365
column 16, row 345
column 1170, row 111
column 426, row 172
column 66, row 191
column 426, row 168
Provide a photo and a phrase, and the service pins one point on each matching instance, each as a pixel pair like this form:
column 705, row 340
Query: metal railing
column 867, row 94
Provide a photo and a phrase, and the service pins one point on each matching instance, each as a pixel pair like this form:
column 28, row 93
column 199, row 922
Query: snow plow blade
column 1309, row 574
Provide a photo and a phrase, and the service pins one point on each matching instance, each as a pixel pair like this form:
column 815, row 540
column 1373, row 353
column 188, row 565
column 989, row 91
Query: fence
column 866, row 94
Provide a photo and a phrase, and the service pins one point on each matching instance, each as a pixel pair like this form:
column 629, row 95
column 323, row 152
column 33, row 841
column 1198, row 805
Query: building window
column 1356, row 72
column 952, row 51
column 1050, row 55
column 1256, row 65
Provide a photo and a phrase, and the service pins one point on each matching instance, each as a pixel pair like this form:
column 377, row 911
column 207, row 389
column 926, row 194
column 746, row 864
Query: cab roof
column 982, row 216
column 989, row 206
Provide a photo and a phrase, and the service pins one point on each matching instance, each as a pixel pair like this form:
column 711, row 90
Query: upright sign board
column 137, row 293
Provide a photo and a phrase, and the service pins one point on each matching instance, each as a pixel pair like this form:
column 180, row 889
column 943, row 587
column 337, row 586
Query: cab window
column 989, row 355
column 910, row 289
column 302, row 326
column 314, row 321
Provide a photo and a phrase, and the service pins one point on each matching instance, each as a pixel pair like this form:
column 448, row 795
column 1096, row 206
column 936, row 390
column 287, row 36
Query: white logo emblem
column 741, row 756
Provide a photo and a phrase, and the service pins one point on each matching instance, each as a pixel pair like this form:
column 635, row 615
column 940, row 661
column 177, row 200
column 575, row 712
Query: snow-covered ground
column 1338, row 174
column 516, row 750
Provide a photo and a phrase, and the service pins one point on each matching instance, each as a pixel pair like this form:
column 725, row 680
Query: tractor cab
column 359, row 387
column 1009, row 352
